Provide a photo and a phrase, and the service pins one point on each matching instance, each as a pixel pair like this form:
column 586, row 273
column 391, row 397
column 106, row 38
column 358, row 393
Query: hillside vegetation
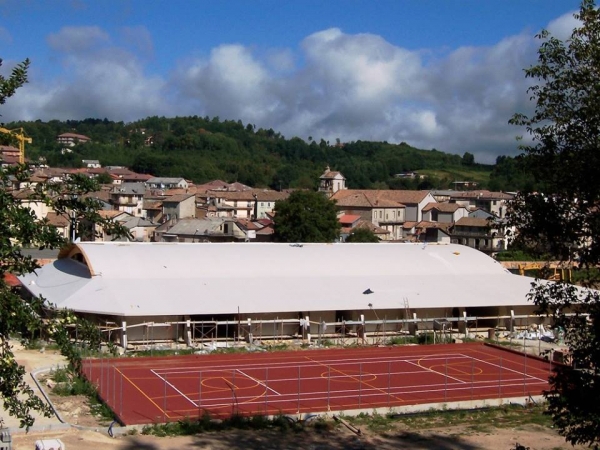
column 203, row 149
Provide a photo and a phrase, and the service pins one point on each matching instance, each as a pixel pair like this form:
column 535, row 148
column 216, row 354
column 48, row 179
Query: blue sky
column 443, row 74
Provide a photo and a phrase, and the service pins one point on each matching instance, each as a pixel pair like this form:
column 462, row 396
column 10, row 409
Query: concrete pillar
column 188, row 333
column 413, row 327
column 124, row 335
column 462, row 324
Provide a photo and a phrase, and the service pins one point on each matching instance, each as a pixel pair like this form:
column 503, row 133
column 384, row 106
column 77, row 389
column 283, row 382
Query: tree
column 306, row 216
column 468, row 159
column 362, row 234
column 562, row 220
column 17, row 78
column 19, row 228
column 104, row 178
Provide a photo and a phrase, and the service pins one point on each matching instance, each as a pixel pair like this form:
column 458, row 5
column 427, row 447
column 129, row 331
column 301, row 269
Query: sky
column 443, row 74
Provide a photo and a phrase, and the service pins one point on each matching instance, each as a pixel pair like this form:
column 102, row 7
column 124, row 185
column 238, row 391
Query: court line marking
column 303, row 363
column 418, row 364
column 357, row 379
column 525, row 375
column 143, row 393
column 177, row 390
column 258, row 381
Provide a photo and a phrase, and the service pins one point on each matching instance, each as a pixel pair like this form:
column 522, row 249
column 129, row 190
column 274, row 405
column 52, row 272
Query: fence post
column 328, row 388
column 298, row 408
column 266, row 391
column 165, row 401
column 500, row 380
column 472, row 376
column 199, row 391
column 121, row 398
column 525, row 373
column 446, row 378
column 389, row 383
column 114, row 388
column 359, row 385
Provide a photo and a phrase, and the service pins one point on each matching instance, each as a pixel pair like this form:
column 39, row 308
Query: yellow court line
column 355, row 378
column 143, row 393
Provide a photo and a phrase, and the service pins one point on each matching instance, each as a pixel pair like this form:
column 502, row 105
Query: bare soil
column 456, row 437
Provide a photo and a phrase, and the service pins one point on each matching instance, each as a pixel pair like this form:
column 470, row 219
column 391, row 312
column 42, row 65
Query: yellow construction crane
column 19, row 134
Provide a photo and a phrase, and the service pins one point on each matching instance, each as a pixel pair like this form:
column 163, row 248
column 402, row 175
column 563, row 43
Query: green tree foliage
column 19, row 228
column 204, row 149
column 17, row 78
column 306, row 216
column 362, row 235
column 468, row 159
column 563, row 219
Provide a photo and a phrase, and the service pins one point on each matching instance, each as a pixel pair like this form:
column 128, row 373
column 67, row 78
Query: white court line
column 176, row 390
column 307, row 363
column 427, row 369
column 258, row 381
column 509, row 369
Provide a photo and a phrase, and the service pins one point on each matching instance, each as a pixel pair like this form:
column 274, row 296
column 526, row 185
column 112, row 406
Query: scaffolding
column 268, row 332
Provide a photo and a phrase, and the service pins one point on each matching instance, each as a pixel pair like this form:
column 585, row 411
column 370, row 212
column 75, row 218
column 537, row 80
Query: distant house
column 493, row 202
column 371, row 206
column 479, row 233
column 61, row 223
column 72, row 139
column 91, row 163
column 214, row 229
column 128, row 197
column 386, row 209
column 166, row 183
column 351, row 222
column 181, row 206
column 444, row 212
column 246, row 204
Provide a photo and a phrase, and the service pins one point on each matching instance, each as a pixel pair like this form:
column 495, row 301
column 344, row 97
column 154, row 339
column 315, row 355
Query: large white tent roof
column 158, row 279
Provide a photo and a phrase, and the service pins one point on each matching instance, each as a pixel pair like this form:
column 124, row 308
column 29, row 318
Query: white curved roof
column 152, row 279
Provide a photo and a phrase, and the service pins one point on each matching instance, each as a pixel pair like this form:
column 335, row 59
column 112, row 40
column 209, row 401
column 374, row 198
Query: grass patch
column 480, row 420
column 69, row 384
column 169, row 352
column 188, row 426
column 38, row 344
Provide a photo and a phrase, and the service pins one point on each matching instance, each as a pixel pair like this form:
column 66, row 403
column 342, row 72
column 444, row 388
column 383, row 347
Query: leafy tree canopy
column 362, row 234
column 306, row 216
column 203, row 149
column 19, row 228
column 562, row 219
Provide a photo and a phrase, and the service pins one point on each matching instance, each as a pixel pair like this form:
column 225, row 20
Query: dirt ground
column 459, row 437
column 88, row 433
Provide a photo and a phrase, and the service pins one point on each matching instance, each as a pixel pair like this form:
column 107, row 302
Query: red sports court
column 163, row 389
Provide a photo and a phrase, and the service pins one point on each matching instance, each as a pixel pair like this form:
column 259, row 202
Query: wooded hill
column 204, row 149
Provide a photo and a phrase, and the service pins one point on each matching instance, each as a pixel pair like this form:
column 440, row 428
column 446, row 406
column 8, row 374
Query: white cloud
column 77, row 39
column 352, row 87
column 562, row 27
